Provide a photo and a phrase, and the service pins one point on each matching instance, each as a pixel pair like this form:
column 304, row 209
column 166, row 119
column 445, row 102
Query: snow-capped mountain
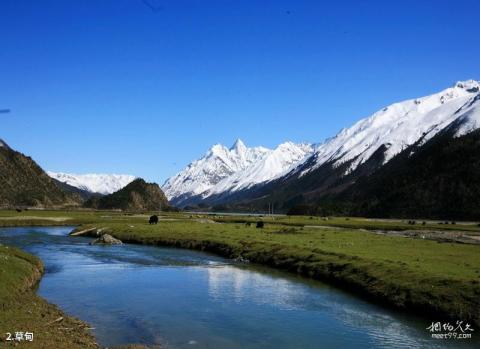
column 94, row 183
column 224, row 169
column 469, row 117
column 223, row 172
column 398, row 126
column 273, row 164
column 218, row 163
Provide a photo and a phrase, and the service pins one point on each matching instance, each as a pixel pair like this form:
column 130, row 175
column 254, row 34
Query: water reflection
column 359, row 318
column 259, row 288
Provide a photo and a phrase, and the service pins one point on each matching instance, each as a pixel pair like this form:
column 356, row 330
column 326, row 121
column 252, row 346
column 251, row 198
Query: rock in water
column 106, row 239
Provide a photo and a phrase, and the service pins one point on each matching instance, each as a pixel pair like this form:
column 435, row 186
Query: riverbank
column 23, row 311
column 431, row 278
column 423, row 272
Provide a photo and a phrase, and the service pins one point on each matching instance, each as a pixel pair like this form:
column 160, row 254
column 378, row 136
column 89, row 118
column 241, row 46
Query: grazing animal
column 19, row 210
column 153, row 219
column 248, row 224
column 260, row 224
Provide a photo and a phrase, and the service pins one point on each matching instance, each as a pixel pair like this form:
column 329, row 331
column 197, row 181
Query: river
column 186, row 299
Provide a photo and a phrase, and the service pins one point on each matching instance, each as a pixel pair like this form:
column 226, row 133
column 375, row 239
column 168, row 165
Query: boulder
column 106, row 239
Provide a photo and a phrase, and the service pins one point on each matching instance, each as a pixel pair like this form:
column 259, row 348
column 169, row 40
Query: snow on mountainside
column 94, row 183
column 469, row 119
column 398, row 126
column 218, row 163
column 274, row 164
column 222, row 171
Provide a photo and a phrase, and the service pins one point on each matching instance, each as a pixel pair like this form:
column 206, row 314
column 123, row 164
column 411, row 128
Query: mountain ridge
column 216, row 164
column 231, row 169
column 23, row 183
column 355, row 152
column 138, row 195
column 94, row 182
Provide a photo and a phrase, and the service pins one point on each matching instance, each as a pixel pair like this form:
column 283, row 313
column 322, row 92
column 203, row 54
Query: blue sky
column 144, row 87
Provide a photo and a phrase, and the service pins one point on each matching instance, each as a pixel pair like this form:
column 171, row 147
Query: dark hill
column 24, row 183
column 440, row 179
column 136, row 196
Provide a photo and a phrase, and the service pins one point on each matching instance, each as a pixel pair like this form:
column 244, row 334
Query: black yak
column 153, row 219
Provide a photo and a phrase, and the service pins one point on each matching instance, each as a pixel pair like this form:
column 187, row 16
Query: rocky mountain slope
column 397, row 126
column 440, row 179
column 338, row 175
column 138, row 195
column 24, row 183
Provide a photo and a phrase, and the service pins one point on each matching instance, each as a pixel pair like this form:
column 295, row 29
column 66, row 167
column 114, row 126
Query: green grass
column 75, row 217
column 356, row 223
column 62, row 218
column 421, row 275
column 22, row 310
column 424, row 256
column 18, row 271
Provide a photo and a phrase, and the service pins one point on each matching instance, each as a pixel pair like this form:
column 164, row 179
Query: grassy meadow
column 421, row 275
column 22, row 310
column 417, row 273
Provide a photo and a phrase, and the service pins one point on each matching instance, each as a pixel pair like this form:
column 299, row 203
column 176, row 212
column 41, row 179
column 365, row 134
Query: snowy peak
column 396, row 126
column 471, row 86
column 232, row 168
column 274, row 164
column 226, row 170
column 239, row 147
column 218, row 163
column 94, row 183
column 217, row 150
